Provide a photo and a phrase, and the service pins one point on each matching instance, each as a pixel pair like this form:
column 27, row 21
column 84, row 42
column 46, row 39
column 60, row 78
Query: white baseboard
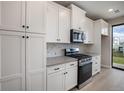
column 105, row 66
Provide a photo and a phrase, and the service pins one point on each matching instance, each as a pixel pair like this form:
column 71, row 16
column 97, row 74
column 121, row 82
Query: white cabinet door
column 77, row 18
column 96, row 65
column 52, row 22
column 82, row 21
column 104, row 27
column 56, row 81
column 12, row 61
column 64, row 25
column 74, row 18
column 35, row 62
column 12, row 16
column 71, row 78
column 35, row 16
column 89, row 31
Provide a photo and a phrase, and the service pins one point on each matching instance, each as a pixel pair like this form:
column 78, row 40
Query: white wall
column 116, row 20
column 105, row 51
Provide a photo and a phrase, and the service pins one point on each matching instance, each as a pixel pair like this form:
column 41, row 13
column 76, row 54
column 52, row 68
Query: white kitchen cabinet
column 52, row 22
column 71, row 78
column 56, row 76
column 64, row 25
column 23, row 16
column 55, row 81
column 12, row 15
column 58, row 23
column 64, row 76
column 22, row 54
column 77, row 18
column 12, row 61
column 35, row 16
column 104, row 28
column 96, row 65
column 35, row 62
column 89, row 31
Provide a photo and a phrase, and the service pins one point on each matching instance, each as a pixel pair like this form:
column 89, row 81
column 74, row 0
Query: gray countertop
column 59, row 60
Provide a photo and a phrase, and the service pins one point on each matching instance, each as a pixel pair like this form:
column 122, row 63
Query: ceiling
column 98, row 9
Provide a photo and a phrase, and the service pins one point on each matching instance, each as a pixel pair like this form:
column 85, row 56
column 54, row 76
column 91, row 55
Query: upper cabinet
column 35, row 16
column 57, row 23
column 52, row 22
column 89, row 31
column 22, row 16
column 12, row 15
column 104, row 27
column 77, row 18
column 64, row 25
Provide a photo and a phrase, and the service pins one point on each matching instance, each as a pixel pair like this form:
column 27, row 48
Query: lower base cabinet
column 55, row 81
column 71, row 78
column 96, row 67
column 62, row 77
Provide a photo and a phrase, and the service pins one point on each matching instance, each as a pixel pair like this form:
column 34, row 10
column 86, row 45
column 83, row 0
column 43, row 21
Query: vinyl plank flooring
column 106, row 80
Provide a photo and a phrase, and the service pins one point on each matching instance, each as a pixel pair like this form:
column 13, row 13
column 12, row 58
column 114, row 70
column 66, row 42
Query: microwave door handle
column 78, row 36
column 82, row 36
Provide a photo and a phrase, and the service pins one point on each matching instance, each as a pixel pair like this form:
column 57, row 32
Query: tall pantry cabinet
column 22, row 46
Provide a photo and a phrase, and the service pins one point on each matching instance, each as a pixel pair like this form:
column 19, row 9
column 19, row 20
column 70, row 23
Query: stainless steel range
column 84, row 66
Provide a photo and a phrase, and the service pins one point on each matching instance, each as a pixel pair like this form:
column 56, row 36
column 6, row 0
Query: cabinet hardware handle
column 56, row 69
column 65, row 73
column 58, row 39
column 23, row 26
column 71, row 64
column 27, row 26
column 23, row 36
column 79, row 27
column 27, row 36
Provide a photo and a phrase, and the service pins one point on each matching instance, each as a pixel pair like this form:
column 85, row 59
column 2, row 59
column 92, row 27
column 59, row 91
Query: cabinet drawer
column 56, row 68
column 71, row 64
column 95, row 69
column 96, row 63
column 96, row 58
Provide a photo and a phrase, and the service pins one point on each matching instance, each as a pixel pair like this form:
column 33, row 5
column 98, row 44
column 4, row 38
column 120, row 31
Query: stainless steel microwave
column 76, row 36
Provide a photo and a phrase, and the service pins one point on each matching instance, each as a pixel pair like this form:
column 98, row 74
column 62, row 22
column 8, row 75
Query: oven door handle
column 85, row 63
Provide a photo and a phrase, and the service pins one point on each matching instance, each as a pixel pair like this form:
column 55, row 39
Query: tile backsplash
column 55, row 49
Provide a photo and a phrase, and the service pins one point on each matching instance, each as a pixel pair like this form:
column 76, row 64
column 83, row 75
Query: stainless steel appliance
column 84, row 66
column 76, row 36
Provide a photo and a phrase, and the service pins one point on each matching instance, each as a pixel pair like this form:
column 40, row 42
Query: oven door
column 84, row 72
